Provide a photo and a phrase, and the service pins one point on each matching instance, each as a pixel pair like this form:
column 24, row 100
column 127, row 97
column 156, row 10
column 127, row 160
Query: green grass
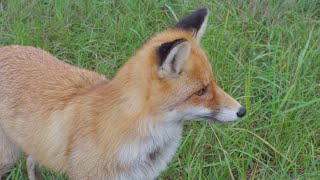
column 265, row 53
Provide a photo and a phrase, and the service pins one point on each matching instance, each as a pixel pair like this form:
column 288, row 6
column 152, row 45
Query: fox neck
column 146, row 157
column 126, row 121
column 124, row 102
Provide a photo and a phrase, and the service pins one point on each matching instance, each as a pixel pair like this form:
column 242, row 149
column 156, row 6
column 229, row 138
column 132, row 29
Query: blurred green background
column 264, row 53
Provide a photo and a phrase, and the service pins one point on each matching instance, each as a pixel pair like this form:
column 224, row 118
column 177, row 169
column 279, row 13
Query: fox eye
column 202, row 92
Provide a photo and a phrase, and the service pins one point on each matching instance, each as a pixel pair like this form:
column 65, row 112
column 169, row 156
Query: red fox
column 80, row 123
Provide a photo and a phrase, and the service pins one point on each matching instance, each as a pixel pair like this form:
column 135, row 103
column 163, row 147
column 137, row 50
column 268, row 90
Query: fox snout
column 221, row 115
column 228, row 108
column 222, row 108
column 226, row 115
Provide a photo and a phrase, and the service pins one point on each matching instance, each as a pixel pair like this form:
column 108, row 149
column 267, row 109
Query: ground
column 264, row 53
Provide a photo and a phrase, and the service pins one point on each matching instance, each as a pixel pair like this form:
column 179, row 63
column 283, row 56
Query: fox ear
column 195, row 23
column 172, row 55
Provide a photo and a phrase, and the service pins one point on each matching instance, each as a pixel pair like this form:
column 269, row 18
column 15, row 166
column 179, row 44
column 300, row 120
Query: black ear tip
column 194, row 20
column 202, row 11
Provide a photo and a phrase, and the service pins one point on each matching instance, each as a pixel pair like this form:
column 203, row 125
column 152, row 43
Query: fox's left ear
column 195, row 23
column 172, row 56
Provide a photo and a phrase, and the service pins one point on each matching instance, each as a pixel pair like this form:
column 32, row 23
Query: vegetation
column 265, row 53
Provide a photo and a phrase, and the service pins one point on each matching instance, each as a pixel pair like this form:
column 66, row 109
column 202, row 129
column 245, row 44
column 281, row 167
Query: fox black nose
column 241, row 112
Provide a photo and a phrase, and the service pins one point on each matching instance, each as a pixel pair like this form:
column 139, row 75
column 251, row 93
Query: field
column 264, row 53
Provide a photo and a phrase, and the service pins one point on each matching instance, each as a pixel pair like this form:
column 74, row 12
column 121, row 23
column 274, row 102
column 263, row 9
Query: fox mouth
column 212, row 119
column 221, row 115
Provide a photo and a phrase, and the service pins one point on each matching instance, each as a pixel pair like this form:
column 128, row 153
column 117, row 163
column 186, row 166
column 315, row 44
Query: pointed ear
column 172, row 56
column 196, row 23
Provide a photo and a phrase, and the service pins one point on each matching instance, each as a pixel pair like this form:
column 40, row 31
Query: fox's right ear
column 195, row 23
column 172, row 56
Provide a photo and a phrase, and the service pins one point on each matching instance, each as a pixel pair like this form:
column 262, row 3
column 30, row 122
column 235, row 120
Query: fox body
column 78, row 122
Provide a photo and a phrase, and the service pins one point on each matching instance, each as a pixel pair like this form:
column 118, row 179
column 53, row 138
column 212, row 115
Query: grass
column 266, row 53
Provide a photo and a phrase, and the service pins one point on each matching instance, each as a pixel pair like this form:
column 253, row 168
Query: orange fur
column 77, row 121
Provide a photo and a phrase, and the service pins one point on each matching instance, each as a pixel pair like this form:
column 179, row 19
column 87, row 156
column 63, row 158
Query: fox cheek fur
column 78, row 122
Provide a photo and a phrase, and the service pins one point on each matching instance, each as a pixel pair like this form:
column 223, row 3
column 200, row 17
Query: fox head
column 178, row 81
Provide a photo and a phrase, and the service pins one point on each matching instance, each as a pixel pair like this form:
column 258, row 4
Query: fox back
column 35, row 88
column 78, row 122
